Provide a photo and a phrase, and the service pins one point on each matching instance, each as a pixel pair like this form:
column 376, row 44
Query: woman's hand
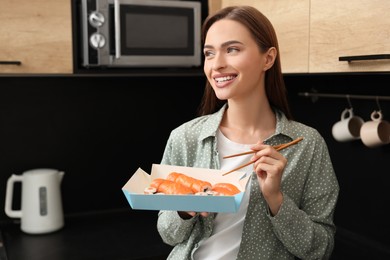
column 269, row 165
column 191, row 214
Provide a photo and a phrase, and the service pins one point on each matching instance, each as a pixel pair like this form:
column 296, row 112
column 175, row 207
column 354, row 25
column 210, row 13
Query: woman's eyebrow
column 223, row 44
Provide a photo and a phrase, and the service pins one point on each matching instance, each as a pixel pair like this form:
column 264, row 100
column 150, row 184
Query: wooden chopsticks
column 277, row 148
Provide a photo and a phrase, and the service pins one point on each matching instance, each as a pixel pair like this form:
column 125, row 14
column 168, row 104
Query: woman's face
column 233, row 65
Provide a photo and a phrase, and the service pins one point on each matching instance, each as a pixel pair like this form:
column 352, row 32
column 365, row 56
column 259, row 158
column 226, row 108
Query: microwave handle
column 117, row 30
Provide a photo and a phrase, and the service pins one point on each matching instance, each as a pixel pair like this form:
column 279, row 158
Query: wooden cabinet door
column 348, row 28
column 37, row 34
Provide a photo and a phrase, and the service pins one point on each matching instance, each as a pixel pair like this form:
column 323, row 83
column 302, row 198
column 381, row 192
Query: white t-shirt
column 225, row 240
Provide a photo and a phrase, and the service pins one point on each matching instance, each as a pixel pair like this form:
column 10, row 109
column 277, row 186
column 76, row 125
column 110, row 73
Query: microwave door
column 133, row 41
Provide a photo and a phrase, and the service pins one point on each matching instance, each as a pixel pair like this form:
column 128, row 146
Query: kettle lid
column 41, row 171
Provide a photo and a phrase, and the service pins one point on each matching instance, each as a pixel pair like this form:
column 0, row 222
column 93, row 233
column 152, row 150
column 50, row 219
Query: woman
column 288, row 206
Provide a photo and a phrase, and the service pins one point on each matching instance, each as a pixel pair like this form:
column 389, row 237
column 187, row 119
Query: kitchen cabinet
column 214, row 5
column 313, row 34
column 349, row 28
column 37, row 35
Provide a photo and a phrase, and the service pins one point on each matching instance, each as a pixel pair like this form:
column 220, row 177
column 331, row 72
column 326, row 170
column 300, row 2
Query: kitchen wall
column 363, row 172
column 100, row 129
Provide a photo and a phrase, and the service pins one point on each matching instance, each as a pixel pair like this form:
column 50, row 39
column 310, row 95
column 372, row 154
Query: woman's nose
column 219, row 62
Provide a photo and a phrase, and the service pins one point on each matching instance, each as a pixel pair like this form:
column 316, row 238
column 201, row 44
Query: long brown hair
column 264, row 34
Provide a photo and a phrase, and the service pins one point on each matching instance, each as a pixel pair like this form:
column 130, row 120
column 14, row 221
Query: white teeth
column 222, row 79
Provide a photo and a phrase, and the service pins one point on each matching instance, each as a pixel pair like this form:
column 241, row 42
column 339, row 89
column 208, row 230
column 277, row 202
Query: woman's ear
column 270, row 57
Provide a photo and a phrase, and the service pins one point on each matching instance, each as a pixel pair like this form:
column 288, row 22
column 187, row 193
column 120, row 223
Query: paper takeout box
column 134, row 190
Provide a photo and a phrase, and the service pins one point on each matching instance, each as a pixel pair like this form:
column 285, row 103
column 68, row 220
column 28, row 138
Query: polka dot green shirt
column 303, row 227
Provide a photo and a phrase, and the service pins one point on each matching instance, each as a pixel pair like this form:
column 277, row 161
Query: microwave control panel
column 96, row 20
column 94, row 27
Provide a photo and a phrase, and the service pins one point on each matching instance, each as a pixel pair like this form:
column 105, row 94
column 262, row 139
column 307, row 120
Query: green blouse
column 304, row 225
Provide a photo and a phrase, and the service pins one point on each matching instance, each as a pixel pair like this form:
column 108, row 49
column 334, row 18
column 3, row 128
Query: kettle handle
column 9, row 197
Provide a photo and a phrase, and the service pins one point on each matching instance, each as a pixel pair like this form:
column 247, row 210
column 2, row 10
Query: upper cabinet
column 37, row 35
column 349, row 28
column 314, row 34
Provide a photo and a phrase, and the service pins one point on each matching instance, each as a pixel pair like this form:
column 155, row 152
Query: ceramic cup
column 348, row 128
column 375, row 132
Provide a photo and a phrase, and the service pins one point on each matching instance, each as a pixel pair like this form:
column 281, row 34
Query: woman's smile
column 223, row 81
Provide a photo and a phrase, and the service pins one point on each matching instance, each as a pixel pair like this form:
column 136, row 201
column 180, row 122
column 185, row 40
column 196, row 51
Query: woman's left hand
column 269, row 165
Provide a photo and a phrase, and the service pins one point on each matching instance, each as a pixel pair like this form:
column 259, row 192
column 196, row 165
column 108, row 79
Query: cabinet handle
column 16, row 62
column 365, row 57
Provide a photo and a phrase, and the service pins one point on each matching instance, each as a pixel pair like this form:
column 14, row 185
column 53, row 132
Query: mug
column 348, row 128
column 375, row 132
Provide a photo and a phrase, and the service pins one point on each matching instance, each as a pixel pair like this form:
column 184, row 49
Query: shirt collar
column 212, row 124
column 283, row 125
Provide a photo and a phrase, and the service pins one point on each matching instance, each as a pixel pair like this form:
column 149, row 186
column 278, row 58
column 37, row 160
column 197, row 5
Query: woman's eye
column 208, row 53
column 232, row 49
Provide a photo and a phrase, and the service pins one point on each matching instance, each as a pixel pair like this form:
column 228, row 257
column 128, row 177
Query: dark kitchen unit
column 100, row 125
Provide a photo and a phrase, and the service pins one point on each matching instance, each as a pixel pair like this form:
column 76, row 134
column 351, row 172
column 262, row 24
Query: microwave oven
column 140, row 33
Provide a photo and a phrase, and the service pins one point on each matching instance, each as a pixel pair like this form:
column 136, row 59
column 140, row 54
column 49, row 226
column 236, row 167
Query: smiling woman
column 245, row 106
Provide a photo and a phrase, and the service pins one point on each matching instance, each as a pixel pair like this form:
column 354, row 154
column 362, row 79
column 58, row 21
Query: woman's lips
column 224, row 80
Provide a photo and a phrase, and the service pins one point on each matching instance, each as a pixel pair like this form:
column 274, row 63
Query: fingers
column 204, row 214
column 270, row 163
column 267, row 159
column 264, row 150
column 193, row 213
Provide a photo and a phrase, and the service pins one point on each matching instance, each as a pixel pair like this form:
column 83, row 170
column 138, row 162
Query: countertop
column 113, row 235
column 127, row 234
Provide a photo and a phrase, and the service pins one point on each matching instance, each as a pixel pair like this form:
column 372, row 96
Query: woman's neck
column 248, row 123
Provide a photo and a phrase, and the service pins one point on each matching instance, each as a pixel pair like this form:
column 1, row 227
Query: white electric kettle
column 41, row 205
